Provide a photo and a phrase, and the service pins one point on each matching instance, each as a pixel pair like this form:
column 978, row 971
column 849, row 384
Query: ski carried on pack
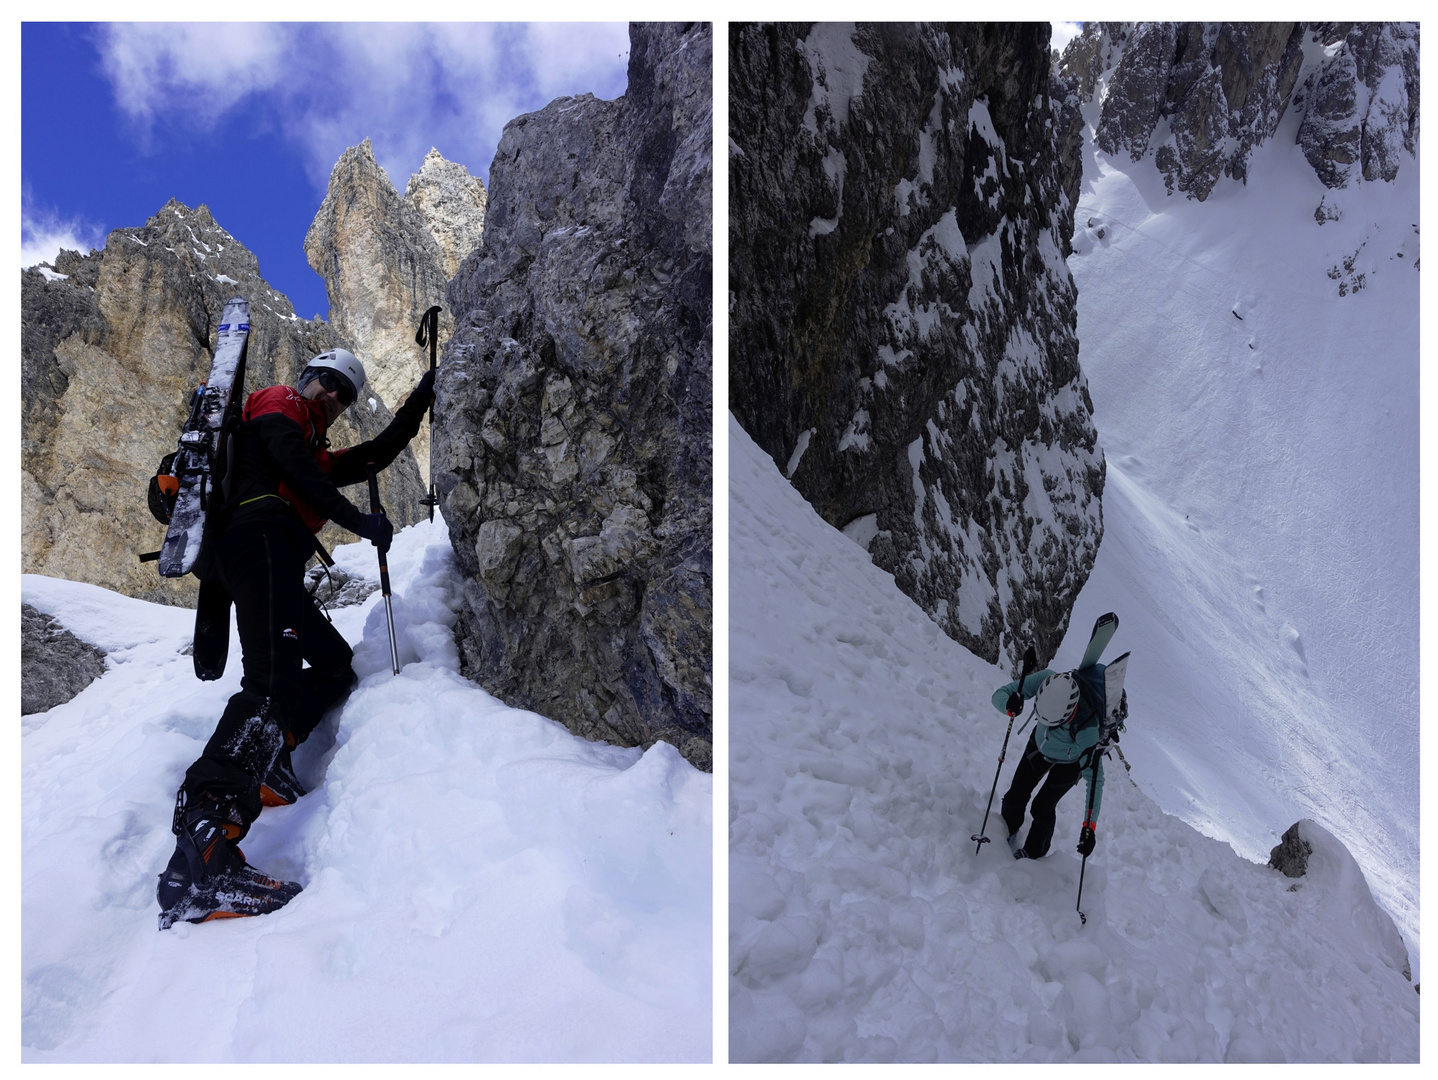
column 1103, row 632
column 1115, row 712
column 198, row 466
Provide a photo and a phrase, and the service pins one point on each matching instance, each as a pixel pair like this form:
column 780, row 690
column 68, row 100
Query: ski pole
column 1030, row 662
column 375, row 508
column 1098, row 753
column 428, row 334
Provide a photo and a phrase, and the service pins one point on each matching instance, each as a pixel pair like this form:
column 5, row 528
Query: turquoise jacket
column 1060, row 746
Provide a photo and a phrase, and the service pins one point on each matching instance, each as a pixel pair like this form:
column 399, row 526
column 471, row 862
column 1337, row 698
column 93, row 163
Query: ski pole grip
column 376, row 508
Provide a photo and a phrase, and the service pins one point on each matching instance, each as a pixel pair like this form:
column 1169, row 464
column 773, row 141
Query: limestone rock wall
column 386, row 259
column 573, row 431
column 902, row 322
column 451, row 204
column 112, row 345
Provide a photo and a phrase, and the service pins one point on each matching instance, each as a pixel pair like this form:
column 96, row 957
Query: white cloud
column 327, row 86
column 570, row 58
column 43, row 234
column 202, row 69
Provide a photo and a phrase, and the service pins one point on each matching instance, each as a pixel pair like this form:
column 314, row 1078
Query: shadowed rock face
column 386, row 259
column 902, row 328
column 1198, row 97
column 573, row 430
column 112, row 346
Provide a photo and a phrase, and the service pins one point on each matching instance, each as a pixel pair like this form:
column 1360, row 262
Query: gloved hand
column 423, row 392
column 376, row 529
column 1086, row 841
column 1015, row 704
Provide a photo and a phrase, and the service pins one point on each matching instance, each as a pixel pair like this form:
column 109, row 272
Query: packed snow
column 865, row 927
column 479, row 884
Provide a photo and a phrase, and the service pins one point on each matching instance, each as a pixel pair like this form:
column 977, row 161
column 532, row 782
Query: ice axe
column 1030, row 663
column 376, row 508
column 428, row 334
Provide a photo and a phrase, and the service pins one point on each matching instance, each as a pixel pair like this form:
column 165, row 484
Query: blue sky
column 249, row 119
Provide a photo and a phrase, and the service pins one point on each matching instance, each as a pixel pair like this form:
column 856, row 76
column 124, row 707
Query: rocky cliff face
column 573, row 430
column 902, row 330
column 386, row 259
column 451, row 204
column 1198, row 97
column 112, row 345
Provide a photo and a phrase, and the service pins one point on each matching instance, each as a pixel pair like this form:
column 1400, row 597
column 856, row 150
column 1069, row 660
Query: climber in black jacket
column 284, row 486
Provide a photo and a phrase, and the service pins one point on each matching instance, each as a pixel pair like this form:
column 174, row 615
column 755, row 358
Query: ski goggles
column 338, row 385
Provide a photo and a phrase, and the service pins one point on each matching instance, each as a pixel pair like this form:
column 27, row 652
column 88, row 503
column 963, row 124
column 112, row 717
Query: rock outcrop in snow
column 112, row 346
column 1197, row 98
column 386, row 259
column 55, row 665
column 573, row 428
column 902, row 333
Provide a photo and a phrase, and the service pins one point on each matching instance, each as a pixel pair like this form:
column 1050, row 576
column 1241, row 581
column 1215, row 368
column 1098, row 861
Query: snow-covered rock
column 1197, row 98
column 900, row 308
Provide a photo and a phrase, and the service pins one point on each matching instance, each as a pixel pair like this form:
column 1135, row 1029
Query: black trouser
column 1032, row 767
column 261, row 564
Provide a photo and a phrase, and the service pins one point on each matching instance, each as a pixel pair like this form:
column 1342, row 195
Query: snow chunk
column 800, row 446
column 862, row 530
column 838, row 69
column 856, row 435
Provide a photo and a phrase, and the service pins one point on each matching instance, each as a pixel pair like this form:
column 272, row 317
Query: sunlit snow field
column 479, row 884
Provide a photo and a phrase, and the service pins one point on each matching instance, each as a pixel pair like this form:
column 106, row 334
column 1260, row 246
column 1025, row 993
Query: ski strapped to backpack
column 191, row 481
column 1110, row 724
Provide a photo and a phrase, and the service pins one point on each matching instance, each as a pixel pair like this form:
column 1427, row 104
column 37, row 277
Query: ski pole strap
column 428, row 330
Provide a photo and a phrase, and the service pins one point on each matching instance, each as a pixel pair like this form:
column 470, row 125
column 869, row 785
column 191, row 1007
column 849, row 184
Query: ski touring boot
column 282, row 787
column 207, row 877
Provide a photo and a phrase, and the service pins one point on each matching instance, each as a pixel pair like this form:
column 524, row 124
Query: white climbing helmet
column 1057, row 699
column 340, row 361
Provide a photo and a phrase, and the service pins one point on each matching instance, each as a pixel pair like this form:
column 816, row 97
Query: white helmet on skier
column 1057, row 699
column 334, row 362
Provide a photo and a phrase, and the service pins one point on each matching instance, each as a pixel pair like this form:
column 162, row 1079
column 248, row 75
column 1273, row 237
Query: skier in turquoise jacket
column 1068, row 708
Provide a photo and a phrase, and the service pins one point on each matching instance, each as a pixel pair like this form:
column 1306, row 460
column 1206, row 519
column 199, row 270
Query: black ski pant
column 1032, row 768
column 261, row 564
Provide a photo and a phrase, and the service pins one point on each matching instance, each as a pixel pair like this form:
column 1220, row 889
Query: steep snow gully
column 1255, row 379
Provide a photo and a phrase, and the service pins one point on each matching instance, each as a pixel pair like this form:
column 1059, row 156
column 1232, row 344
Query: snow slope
column 1261, row 511
column 864, row 927
column 480, row 885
